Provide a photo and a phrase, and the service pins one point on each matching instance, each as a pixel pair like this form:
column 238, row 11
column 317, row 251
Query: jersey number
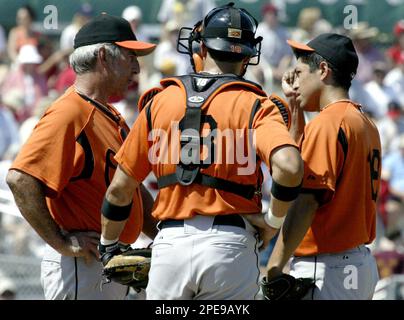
column 374, row 164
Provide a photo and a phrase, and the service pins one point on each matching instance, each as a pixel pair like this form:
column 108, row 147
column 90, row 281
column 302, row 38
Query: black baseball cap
column 107, row 28
column 337, row 49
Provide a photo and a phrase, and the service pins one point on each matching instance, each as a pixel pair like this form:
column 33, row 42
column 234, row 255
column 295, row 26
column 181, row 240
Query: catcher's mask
column 226, row 29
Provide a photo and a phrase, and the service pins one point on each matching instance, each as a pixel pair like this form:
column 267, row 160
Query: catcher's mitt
column 130, row 268
column 286, row 287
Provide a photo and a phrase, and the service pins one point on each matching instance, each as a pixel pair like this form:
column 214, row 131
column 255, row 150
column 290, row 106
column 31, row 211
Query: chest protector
column 200, row 90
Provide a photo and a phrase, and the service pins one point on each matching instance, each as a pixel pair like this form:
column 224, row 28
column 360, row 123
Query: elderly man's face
column 123, row 70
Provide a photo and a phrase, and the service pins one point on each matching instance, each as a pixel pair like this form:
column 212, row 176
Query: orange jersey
column 23, row 37
column 229, row 110
column 342, row 153
column 71, row 151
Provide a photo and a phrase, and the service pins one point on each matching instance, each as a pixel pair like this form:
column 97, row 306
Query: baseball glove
column 130, row 268
column 286, row 287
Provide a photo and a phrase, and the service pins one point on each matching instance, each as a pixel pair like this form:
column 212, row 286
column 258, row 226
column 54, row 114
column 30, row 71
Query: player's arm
column 149, row 222
column 297, row 222
column 29, row 195
column 111, row 229
column 117, row 205
column 287, row 174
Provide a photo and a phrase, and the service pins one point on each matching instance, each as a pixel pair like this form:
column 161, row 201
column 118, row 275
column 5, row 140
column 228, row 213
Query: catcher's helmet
column 230, row 29
column 225, row 29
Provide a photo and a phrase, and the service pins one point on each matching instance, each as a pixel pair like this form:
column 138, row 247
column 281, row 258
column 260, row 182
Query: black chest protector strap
column 198, row 90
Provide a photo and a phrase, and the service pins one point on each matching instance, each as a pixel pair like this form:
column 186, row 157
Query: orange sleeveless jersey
column 230, row 109
column 349, row 218
column 71, row 151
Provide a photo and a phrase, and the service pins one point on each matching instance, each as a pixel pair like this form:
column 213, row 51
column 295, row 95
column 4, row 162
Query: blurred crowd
column 34, row 71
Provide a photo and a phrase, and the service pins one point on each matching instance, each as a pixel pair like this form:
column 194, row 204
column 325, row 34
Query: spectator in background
column 9, row 141
column 310, row 24
column 27, row 80
column 65, row 78
column 358, row 93
column 368, row 54
column 395, row 80
column 3, row 44
column 167, row 49
column 185, row 12
column 23, row 33
column 62, row 74
column 28, row 125
column 390, row 127
column 395, row 54
column 380, row 95
column 133, row 15
column 52, row 60
column 80, row 18
column 167, row 68
column 274, row 48
column 393, row 173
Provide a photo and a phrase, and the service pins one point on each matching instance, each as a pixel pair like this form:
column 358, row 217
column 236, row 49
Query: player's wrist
column 107, row 251
column 108, row 242
column 106, row 245
column 273, row 221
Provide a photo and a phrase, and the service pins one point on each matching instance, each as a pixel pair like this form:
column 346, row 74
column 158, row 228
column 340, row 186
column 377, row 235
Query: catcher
column 206, row 248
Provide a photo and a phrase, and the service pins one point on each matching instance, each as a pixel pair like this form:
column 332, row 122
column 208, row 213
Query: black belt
column 221, row 220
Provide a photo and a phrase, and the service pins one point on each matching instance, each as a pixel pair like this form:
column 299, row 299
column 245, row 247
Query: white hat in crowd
column 29, row 54
column 132, row 13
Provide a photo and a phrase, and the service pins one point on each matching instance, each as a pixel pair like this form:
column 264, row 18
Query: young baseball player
column 193, row 135
column 334, row 217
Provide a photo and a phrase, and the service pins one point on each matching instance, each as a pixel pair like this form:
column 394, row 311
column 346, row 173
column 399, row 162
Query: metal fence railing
column 24, row 273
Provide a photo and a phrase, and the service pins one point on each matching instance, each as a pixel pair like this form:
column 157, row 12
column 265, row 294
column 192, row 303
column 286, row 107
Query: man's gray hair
column 83, row 59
